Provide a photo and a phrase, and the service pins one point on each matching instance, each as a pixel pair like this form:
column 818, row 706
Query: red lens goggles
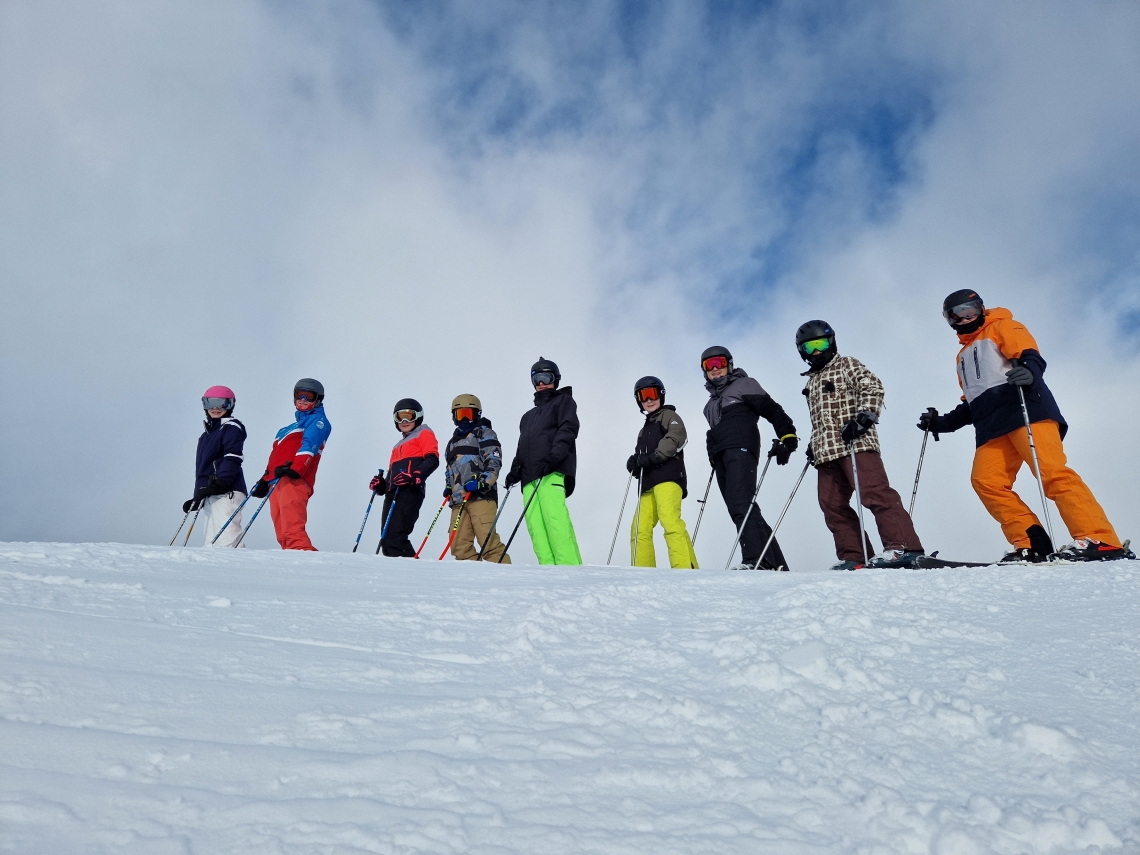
column 464, row 413
column 715, row 362
column 649, row 393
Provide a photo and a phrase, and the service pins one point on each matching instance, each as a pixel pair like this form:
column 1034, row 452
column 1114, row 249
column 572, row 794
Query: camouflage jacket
column 477, row 454
column 844, row 388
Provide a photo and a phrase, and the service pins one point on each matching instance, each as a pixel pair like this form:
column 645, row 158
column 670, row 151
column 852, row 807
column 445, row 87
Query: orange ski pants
column 289, row 505
column 996, row 465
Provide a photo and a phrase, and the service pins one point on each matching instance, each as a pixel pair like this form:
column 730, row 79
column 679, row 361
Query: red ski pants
column 289, row 504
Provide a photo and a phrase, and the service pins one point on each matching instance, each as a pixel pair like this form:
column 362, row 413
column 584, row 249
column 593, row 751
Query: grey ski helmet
column 648, row 382
column 716, row 350
column 408, row 404
column 545, row 366
column 308, row 384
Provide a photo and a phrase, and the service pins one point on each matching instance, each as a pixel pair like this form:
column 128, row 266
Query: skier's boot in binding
column 847, row 565
column 1040, row 548
column 1086, row 549
column 897, row 558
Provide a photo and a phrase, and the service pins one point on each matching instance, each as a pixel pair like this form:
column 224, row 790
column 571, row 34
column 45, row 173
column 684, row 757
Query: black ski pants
column 736, row 476
column 403, row 503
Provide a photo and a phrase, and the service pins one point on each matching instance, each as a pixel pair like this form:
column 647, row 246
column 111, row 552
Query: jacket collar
column 547, row 395
column 716, row 387
column 992, row 317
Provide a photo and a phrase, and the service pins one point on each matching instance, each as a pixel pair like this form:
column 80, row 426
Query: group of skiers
column 1000, row 371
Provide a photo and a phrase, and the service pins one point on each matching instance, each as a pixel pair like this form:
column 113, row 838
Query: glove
column 1019, row 375
column 260, row 489
column 709, row 446
column 810, row 455
column 473, row 486
column 286, row 470
column 782, row 449
column 928, row 421
column 858, row 426
column 447, row 492
column 648, row 460
column 191, row 505
column 548, row 464
column 377, row 484
column 404, row 479
column 217, row 487
column 512, row 478
column 631, row 464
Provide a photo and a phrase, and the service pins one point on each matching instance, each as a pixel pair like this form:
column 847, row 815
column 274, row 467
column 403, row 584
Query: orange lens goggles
column 464, row 413
column 649, row 393
column 715, row 362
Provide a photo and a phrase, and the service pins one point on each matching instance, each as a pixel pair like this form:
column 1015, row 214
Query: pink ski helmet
column 219, row 396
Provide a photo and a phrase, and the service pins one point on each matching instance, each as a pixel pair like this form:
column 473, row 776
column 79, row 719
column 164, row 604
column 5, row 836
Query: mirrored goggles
column 401, row 416
column 715, row 362
column 464, row 413
column 304, row 395
column 816, row 345
column 964, row 313
column 217, row 403
column 542, row 377
column 649, row 393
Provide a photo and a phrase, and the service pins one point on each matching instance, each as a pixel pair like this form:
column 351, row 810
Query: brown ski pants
column 836, row 486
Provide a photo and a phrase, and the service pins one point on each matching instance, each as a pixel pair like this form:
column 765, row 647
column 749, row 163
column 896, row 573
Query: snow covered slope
column 159, row 700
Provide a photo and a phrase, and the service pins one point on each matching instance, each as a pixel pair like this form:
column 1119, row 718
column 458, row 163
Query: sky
column 421, row 199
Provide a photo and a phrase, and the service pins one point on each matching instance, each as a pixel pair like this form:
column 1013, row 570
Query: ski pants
column 548, row 521
column 662, row 502
column 216, row 510
column 996, row 464
column 400, row 513
column 736, row 477
column 478, row 516
column 836, row 486
column 289, row 505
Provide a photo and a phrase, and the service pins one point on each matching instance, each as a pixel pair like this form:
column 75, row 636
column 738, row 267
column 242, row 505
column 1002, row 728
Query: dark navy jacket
column 220, row 454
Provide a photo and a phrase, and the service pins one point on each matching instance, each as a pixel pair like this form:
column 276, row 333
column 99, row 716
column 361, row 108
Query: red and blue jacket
column 302, row 444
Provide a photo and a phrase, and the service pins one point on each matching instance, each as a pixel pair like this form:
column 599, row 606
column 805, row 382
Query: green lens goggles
column 816, row 345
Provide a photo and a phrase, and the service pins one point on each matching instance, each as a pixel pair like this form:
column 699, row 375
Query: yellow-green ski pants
column 548, row 521
column 663, row 503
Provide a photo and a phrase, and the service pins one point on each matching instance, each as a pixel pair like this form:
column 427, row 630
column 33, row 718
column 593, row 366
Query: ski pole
column 702, row 503
column 859, row 503
column 455, row 528
column 925, row 436
column 367, row 511
column 186, row 517
column 740, row 531
column 388, row 519
column 192, row 524
column 272, row 487
column 787, row 505
column 494, row 523
column 621, row 514
column 231, row 519
column 511, row 539
column 1036, row 463
column 430, row 527
column 637, row 520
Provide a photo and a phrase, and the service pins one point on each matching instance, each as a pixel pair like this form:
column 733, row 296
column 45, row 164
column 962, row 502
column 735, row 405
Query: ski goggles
column 964, row 313
column 464, row 413
column 649, row 393
column 304, row 395
column 715, row 362
column 816, row 345
column 402, row 416
column 542, row 378
column 217, row 403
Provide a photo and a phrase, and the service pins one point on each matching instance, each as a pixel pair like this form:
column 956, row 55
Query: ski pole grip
column 933, row 413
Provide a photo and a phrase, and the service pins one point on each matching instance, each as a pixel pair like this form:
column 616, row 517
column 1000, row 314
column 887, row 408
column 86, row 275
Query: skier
column 219, row 485
column 414, row 457
column 659, row 464
column 474, row 457
column 293, row 463
column 845, row 400
column 545, row 462
column 998, row 356
column 736, row 403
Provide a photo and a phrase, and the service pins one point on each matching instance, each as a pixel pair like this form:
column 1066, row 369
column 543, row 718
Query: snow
column 158, row 700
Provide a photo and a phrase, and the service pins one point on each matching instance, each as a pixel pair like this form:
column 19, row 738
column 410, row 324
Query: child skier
column 414, row 457
column 545, row 464
column 219, row 485
column 474, row 458
column 293, row 464
column 845, row 400
column 736, row 403
column 997, row 358
column 658, row 463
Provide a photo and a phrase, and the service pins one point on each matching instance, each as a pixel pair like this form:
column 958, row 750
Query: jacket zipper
column 977, row 365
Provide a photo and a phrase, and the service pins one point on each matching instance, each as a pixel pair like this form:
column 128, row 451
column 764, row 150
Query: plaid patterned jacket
column 844, row 388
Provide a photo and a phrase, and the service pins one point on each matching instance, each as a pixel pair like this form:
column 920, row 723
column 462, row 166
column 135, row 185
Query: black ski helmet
column 966, row 297
column 409, row 404
column 648, row 382
column 810, row 332
column 716, row 350
column 308, row 384
column 546, row 365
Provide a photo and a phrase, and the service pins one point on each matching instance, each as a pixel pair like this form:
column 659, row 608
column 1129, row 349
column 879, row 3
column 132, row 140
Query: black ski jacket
column 547, row 437
column 736, row 403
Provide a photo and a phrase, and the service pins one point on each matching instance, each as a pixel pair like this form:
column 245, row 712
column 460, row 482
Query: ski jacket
column 302, row 443
column 836, row 394
column 664, row 434
column 989, row 403
column 548, row 433
column 220, row 453
column 416, row 453
column 474, row 451
column 736, row 403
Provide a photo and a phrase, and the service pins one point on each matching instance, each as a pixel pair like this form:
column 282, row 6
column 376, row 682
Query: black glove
column 447, row 492
column 631, row 465
column 377, row 484
column 648, row 460
column 191, row 505
column 218, row 486
column 260, row 489
column 810, row 455
column 549, row 463
column 1019, row 375
column 405, row 479
column 858, row 426
column 513, row 477
column 928, row 421
column 286, row 470
column 782, row 449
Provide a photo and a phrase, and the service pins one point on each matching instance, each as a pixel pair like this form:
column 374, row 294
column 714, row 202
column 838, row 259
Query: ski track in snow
column 159, row 700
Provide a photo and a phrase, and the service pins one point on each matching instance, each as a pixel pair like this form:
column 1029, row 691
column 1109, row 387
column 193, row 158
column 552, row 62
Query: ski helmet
column 545, row 366
column 219, row 396
column 408, row 404
column 462, row 402
column 648, row 382
column 964, row 310
column 308, row 384
column 806, row 337
column 716, row 350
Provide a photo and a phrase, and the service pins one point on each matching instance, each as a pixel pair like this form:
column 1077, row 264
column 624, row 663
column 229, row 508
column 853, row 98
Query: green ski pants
column 663, row 503
column 548, row 521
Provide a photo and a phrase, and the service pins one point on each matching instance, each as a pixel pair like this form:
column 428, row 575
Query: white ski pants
column 216, row 510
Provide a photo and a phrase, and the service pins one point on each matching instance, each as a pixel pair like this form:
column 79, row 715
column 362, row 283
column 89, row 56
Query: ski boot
column 897, row 558
column 1086, row 549
column 1040, row 548
column 847, row 565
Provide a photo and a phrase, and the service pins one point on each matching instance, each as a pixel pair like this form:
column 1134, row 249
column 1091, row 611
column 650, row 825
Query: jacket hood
column 992, row 316
column 545, row 395
column 718, row 385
